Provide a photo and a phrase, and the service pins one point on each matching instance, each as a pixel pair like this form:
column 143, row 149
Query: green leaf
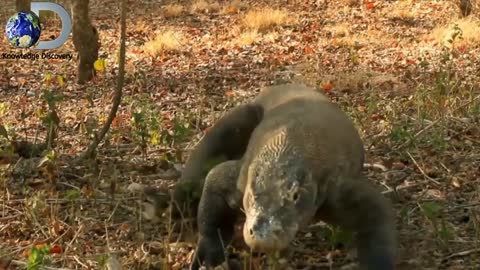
column 431, row 209
column 3, row 131
column 445, row 233
column 72, row 194
column 138, row 117
column 37, row 256
column 339, row 236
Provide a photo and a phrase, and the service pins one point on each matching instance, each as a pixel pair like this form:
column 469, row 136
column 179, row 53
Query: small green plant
column 436, row 139
column 38, row 256
column 401, row 133
column 90, row 126
column 336, row 236
column 140, row 129
column 102, row 261
column 6, row 146
column 341, row 237
column 71, row 195
column 179, row 132
column 49, row 117
column 433, row 212
column 146, row 123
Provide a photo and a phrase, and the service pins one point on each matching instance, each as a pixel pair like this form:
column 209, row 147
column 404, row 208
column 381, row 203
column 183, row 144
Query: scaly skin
column 303, row 160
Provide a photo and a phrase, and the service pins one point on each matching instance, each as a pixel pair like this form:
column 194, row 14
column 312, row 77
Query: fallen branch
column 421, row 170
column 462, row 253
column 375, row 166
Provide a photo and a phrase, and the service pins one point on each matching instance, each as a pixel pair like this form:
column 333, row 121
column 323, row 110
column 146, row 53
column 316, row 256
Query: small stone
column 135, row 187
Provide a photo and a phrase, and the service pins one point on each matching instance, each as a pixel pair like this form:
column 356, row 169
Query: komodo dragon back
column 277, row 95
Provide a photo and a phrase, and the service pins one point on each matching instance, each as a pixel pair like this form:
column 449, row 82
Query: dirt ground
column 407, row 72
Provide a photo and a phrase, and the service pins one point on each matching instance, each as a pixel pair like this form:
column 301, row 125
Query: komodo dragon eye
column 295, row 196
column 293, row 192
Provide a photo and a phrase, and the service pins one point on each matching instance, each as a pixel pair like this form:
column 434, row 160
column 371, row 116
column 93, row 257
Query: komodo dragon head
column 280, row 195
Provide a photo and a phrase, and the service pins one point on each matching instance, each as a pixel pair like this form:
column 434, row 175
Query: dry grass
column 233, row 7
column 352, row 3
column 165, row 41
column 248, row 37
column 266, row 18
column 202, row 6
column 470, row 29
column 173, row 10
column 338, row 30
column 229, row 10
column 343, row 38
column 403, row 10
column 271, row 37
column 141, row 26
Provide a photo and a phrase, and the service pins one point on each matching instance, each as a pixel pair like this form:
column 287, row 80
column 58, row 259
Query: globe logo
column 23, row 29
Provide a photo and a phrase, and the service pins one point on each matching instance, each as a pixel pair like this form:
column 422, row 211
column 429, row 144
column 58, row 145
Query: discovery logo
column 23, row 31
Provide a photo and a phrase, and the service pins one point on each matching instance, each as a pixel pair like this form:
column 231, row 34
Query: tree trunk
column 22, row 5
column 117, row 98
column 85, row 40
column 465, row 7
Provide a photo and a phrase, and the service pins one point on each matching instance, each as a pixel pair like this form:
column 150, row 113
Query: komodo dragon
column 227, row 139
column 303, row 160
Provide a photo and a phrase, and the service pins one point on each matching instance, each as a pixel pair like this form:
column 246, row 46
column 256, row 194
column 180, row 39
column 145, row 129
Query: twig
column 375, row 166
column 69, row 185
column 79, row 262
column 10, row 217
column 462, row 253
column 35, row 220
column 421, row 170
column 390, row 190
column 464, row 206
column 74, row 238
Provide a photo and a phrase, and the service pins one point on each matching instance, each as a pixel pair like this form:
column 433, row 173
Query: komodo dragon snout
column 279, row 200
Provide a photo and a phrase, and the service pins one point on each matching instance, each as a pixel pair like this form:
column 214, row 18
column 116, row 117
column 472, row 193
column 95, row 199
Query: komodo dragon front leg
column 355, row 205
column 227, row 139
column 218, row 211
